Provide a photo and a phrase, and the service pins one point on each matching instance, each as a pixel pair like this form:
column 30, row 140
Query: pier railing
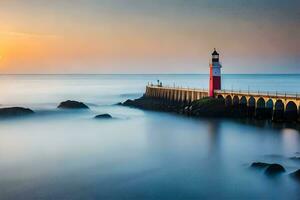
column 178, row 88
column 260, row 93
column 278, row 94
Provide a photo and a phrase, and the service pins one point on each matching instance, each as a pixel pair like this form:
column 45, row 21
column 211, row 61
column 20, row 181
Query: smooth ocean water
column 139, row 154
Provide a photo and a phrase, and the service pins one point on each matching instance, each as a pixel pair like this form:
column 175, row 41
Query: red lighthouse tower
column 215, row 74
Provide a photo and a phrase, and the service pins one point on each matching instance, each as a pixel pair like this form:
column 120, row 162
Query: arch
column 279, row 105
column 243, row 106
column 291, row 111
column 243, row 101
column 220, row 96
column 228, row 101
column 251, row 102
column 278, row 111
column 261, row 103
column 269, row 108
column 236, row 101
column 251, row 106
column 260, row 108
column 270, row 104
column 291, row 106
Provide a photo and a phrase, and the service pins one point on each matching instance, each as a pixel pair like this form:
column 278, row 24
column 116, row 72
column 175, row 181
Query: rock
column 274, row 169
column 129, row 102
column 260, row 165
column 209, row 107
column 14, row 112
column 296, row 175
column 149, row 104
column 206, row 107
column 295, row 158
column 72, row 105
column 103, row 116
column 271, row 169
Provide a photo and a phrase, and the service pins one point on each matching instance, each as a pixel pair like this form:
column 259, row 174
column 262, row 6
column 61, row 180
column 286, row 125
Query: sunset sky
column 149, row 36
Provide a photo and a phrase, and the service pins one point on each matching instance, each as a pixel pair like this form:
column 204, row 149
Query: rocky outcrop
column 260, row 165
column 103, row 116
column 270, row 169
column 15, row 112
column 72, row 105
column 208, row 107
column 274, row 169
column 296, row 175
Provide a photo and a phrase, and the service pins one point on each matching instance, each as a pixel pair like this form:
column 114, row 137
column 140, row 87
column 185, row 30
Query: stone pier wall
column 175, row 94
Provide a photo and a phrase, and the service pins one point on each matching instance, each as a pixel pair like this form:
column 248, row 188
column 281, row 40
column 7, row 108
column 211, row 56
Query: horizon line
column 145, row 74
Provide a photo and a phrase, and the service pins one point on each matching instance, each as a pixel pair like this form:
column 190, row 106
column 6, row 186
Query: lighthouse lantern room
column 215, row 74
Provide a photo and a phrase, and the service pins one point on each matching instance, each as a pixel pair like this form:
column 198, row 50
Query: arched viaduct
column 272, row 104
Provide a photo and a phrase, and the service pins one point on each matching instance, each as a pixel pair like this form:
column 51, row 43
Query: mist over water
column 57, row 154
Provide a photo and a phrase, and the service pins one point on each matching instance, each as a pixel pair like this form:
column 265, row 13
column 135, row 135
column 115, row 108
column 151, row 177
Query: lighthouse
column 215, row 74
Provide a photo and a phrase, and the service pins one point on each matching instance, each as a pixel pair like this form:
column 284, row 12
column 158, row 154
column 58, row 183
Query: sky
column 148, row 36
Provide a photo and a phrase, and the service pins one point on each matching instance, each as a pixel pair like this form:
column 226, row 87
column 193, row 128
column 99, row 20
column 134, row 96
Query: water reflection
column 290, row 140
column 214, row 138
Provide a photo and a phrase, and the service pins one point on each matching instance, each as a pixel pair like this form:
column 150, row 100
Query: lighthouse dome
column 215, row 53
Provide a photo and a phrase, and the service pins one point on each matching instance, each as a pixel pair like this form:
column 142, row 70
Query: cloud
column 26, row 34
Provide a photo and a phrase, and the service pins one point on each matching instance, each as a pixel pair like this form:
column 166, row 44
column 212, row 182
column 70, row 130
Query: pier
column 272, row 101
column 255, row 103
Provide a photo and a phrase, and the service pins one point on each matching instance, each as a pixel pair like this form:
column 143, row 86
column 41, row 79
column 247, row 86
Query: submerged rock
column 15, row 112
column 274, row 169
column 296, row 158
column 296, row 175
column 260, row 165
column 103, row 116
column 130, row 102
column 270, row 169
column 72, row 105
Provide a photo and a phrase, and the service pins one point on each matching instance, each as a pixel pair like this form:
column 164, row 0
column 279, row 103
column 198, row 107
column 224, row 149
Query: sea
column 69, row 155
